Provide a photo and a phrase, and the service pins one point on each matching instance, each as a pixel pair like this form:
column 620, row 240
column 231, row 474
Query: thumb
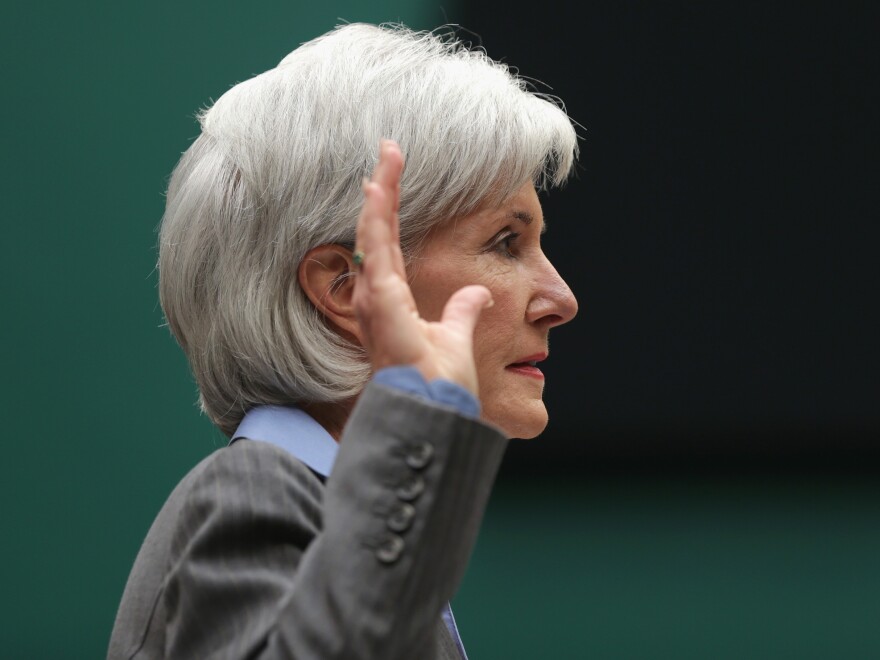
column 463, row 309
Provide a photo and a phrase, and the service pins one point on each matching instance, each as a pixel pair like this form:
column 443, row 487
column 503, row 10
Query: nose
column 553, row 303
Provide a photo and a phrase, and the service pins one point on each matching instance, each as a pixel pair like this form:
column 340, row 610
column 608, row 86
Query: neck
column 332, row 416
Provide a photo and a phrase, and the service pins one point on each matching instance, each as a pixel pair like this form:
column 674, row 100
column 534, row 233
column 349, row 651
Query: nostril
column 553, row 319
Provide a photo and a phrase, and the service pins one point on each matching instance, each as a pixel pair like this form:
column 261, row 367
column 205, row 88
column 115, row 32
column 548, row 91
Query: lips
column 528, row 366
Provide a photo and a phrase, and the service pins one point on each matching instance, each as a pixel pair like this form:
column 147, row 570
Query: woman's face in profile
column 500, row 248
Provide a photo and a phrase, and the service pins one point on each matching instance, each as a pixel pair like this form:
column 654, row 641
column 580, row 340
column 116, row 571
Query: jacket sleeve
column 267, row 563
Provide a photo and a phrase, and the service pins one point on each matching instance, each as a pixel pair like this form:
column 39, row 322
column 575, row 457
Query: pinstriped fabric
column 253, row 556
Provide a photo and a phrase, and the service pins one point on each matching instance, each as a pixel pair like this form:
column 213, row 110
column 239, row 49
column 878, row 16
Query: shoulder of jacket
column 259, row 468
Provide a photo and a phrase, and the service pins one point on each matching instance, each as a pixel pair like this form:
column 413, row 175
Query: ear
column 326, row 275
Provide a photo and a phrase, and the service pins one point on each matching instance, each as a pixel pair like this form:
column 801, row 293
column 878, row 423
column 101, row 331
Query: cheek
column 501, row 337
column 495, row 332
column 439, row 276
column 431, row 298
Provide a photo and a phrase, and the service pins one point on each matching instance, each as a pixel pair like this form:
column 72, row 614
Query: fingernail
column 489, row 303
column 364, row 183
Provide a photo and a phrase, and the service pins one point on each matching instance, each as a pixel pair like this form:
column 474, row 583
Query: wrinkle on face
column 529, row 296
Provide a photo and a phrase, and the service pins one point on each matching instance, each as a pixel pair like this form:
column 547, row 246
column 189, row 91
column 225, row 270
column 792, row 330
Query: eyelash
column 504, row 244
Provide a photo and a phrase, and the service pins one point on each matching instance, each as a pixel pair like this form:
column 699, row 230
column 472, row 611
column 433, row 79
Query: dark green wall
column 686, row 567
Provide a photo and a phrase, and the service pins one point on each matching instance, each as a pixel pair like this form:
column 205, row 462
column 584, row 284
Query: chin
column 530, row 431
column 525, row 422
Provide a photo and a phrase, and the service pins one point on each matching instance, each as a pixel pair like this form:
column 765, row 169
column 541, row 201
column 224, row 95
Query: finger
column 388, row 174
column 368, row 212
column 463, row 309
column 395, row 208
column 377, row 234
column 398, row 261
column 389, row 168
column 374, row 233
column 370, row 241
column 395, row 199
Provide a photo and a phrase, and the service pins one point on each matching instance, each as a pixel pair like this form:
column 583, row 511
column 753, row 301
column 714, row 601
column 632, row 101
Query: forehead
column 522, row 208
column 520, row 211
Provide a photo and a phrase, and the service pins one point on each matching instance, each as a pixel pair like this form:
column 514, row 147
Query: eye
column 505, row 244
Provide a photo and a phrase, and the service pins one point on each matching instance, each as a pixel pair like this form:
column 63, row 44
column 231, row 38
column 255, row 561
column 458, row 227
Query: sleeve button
column 390, row 548
column 401, row 518
column 411, row 488
column 420, row 455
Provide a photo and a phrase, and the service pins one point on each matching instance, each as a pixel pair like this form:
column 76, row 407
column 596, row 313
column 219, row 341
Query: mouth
column 528, row 366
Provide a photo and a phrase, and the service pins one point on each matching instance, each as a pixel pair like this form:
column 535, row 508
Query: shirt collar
column 294, row 431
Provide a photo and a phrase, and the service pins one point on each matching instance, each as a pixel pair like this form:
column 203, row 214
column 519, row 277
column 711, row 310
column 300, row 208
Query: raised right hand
column 393, row 332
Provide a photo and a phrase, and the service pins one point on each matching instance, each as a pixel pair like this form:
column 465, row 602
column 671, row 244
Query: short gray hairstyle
column 277, row 171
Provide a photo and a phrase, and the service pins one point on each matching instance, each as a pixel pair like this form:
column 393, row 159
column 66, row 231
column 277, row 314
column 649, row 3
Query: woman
column 389, row 329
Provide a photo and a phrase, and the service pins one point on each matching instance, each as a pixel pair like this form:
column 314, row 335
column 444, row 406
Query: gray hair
column 277, row 171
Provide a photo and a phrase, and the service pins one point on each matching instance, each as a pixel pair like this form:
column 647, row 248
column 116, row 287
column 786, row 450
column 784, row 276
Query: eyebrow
column 526, row 218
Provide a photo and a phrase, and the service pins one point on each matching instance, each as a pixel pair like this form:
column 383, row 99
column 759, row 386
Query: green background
column 100, row 421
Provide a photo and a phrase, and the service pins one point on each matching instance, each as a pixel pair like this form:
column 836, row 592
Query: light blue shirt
column 301, row 436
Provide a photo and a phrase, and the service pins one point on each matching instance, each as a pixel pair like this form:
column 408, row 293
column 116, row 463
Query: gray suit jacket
column 253, row 556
